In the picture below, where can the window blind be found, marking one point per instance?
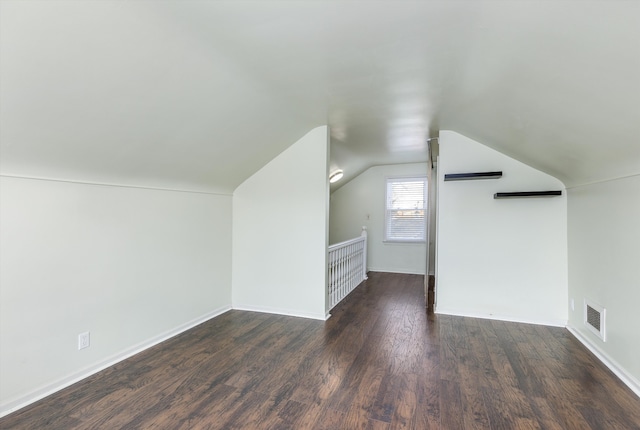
(405, 209)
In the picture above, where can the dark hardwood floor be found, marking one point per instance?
(380, 362)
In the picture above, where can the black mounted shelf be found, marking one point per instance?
(515, 195)
(472, 176)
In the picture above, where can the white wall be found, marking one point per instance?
(604, 266)
(132, 266)
(503, 259)
(280, 232)
(361, 202)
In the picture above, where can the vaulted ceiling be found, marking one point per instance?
(199, 95)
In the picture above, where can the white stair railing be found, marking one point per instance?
(347, 267)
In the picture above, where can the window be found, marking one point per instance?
(405, 210)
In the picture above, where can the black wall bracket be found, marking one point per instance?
(515, 195)
(472, 176)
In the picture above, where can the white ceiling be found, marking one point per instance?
(198, 95)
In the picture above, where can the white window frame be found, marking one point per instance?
(388, 211)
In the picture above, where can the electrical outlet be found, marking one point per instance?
(84, 340)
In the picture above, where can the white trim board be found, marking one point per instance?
(400, 271)
(285, 312)
(116, 185)
(552, 323)
(611, 364)
(48, 389)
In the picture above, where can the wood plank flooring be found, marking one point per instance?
(380, 362)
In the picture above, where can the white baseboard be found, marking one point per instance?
(401, 271)
(552, 323)
(13, 405)
(618, 370)
(278, 311)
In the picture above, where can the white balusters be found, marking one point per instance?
(347, 267)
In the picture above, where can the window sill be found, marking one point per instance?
(405, 242)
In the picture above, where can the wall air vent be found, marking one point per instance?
(594, 318)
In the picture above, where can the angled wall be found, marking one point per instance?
(604, 267)
(503, 259)
(131, 266)
(280, 237)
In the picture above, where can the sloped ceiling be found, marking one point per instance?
(198, 95)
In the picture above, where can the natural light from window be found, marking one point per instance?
(405, 209)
